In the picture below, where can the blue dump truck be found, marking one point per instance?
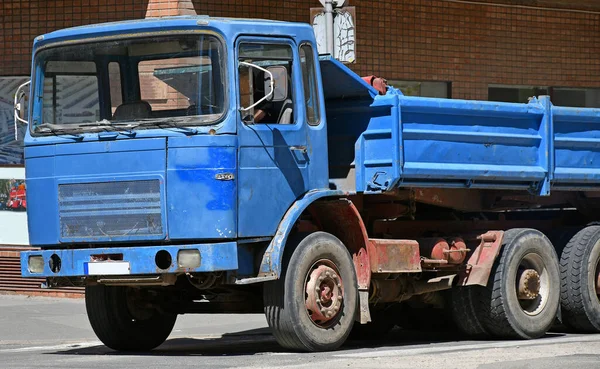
(211, 165)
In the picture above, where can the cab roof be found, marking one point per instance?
(228, 27)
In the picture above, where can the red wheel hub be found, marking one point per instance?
(324, 293)
(598, 280)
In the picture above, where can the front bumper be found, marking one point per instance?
(137, 260)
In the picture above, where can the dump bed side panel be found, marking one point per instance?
(577, 148)
(457, 143)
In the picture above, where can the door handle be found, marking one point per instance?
(302, 148)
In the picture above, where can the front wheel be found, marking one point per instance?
(122, 321)
(313, 305)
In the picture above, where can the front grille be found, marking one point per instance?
(111, 210)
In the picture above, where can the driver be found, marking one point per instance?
(263, 112)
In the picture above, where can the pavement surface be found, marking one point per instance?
(38, 332)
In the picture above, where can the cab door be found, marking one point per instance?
(274, 150)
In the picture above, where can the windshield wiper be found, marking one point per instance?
(107, 126)
(164, 123)
(73, 129)
(57, 129)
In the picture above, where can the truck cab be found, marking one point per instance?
(162, 156)
(153, 137)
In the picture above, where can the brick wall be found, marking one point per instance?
(22, 20)
(467, 43)
(471, 44)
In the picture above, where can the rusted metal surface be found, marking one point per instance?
(324, 293)
(434, 248)
(342, 219)
(471, 200)
(457, 252)
(394, 256)
(479, 265)
(440, 252)
(414, 229)
(528, 284)
(388, 290)
(401, 289)
(12, 282)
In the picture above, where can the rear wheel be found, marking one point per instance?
(313, 305)
(522, 297)
(122, 320)
(469, 309)
(580, 281)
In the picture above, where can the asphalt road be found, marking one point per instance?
(54, 333)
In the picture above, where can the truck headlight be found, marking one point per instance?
(188, 259)
(35, 264)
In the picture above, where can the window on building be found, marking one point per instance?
(576, 97)
(425, 89)
(516, 94)
(309, 78)
(560, 96)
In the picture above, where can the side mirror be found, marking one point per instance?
(268, 91)
(19, 107)
(280, 83)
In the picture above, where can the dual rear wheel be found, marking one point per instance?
(522, 297)
(529, 283)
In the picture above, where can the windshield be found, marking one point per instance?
(160, 81)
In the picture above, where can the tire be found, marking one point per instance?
(579, 268)
(308, 258)
(469, 311)
(506, 315)
(109, 311)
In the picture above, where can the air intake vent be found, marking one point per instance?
(110, 210)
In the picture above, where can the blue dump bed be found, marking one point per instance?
(402, 141)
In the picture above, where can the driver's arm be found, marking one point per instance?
(259, 115)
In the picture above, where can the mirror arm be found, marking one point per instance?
(272, 85)
(17, 108)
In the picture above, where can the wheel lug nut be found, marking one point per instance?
(317, 289)
(339, 298)
(339, 285)
(327, 274)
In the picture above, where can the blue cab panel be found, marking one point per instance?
(202, 187)
(96, 191)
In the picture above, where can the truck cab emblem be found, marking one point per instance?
(224, 177)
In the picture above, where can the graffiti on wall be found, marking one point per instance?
(11, 151)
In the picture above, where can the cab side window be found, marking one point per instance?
(262, 66)
(309, 81)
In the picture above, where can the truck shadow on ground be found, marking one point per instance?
(261, 341)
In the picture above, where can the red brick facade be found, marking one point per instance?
(469, 43)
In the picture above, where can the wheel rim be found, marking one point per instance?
(532, 284)
(324, 290)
